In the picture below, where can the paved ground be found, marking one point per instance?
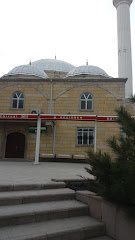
(26, 172)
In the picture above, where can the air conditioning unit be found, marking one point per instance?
(49, 123)
(35, 111)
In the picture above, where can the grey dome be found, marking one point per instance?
(87, 70)
(27, 70)
(53, 65)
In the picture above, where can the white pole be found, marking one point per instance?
(95, 135)
(38, 140)
(54, 134)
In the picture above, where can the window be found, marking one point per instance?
(86, 101)
(18, 100)
(85, 136)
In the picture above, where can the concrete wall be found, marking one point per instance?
(118, 225)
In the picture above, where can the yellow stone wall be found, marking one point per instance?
(55, 74)
(65, 100)
(104, 101)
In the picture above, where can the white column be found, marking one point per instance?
(38, 141)
(54, 134)
(95, 136)
(124, 43)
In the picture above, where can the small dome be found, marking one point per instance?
(27, 70)
(87, 70)
(53, 65)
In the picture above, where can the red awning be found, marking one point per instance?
(34, 117)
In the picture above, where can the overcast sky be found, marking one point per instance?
(74, 30)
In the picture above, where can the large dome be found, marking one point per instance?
(53, 65)
(27, 70)
(87, 70)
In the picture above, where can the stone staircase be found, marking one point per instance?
(45, 211)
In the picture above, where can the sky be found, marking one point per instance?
(75, 31)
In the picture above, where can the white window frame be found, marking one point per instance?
(82, 131)
(19, 96)
(86, 100)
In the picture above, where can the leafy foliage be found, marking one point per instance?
(132, 99)
(115, 180)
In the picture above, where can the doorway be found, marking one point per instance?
(15, 145)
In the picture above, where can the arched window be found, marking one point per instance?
(86, 101)
(17, 100)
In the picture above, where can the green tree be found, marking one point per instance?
(115, 179)
(132, 99)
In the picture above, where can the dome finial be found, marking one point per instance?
(55, 56)
(87, 62)
(30, 62)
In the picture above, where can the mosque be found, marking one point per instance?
(52, 109)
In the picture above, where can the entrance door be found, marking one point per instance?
(15, 145)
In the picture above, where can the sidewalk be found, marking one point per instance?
(26, 172)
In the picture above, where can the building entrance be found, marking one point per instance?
(15, 145)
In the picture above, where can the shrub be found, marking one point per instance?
(114, 180)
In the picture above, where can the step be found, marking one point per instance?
(28, 186)
(101, 238)
(37, 212)
(76, 228)
(22, 197)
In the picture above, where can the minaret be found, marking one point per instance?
(124, 43)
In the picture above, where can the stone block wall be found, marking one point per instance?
(107, 95)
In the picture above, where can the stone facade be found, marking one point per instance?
(108, 94)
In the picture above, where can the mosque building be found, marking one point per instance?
(52, 109)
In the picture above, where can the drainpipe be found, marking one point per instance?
(51, 98)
